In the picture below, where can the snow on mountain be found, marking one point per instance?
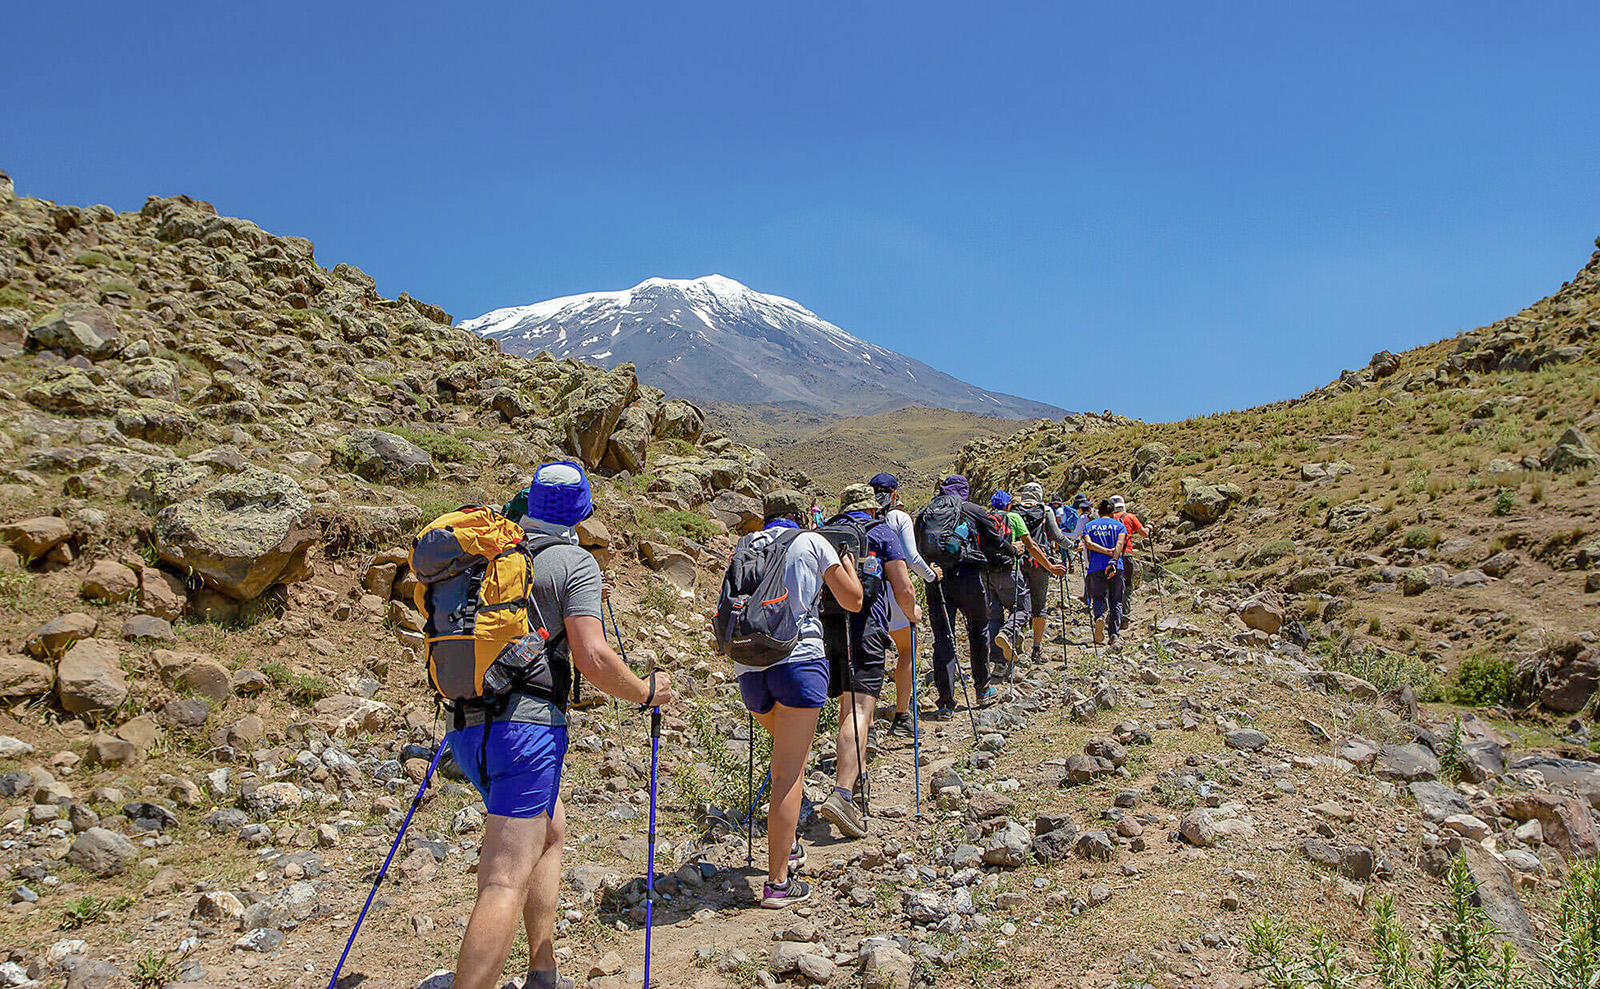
(713, 339)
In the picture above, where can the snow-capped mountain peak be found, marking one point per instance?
(713, 338)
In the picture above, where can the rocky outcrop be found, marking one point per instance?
(241, 535)
(380, 456)
(1206, 503)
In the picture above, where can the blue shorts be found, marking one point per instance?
(524, 765)
(802, 684)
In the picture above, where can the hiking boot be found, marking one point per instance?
(797, 857)
(903, 726)
(941, 713)
(872, 741)
(1008, 648)
(1037, 655)
(776, 896)
(988, 695)
(1002, 671)
(844, 815)
(1099, 631)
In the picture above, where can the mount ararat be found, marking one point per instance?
(713, 339)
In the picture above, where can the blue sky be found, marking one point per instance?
(1162, 209)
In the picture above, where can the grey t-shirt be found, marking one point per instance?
(566, 584)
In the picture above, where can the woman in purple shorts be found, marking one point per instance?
(787, 696)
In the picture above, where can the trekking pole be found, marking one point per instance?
(855, 726)
(916, 732)
(617, 629)
(961, 670)
(384, 870)
(749, 790)
(650, 860)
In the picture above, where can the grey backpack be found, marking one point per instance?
(755, 624)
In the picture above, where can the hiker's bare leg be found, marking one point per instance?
(855, 719)
(511, 847)
(902, 669)
(1038, 632)
(539, 910)
(792, 729)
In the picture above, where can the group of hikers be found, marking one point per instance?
(809, 609)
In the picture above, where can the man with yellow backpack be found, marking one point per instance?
(509, 610)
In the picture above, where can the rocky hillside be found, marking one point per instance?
(213, 452)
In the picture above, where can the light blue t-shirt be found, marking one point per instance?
(1107, 532)
(808, 557)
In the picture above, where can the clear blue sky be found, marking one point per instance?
(1237, 200)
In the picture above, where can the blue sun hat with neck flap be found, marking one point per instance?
(558, 498)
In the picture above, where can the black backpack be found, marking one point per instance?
(848, 535)
(945, 533)
(755, 625)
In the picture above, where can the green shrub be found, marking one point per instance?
(443, 446)
(1464, 952)
(1274, 550)
(720, 777)
(678, 522)
(301, 688)
(1504, 501)
(1386, 670)
(1421, 537)
(1481, 680)
(92, 259)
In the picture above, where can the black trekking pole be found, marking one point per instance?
(971, 714)
(855, 727)
(384, 870)
(622, 649)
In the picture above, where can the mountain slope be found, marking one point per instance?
(713, 339)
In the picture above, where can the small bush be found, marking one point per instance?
(678, 522)
(443, 446)
(1481, 680)
(1504, 501)
(1274, 550)
(301, 688)
(92, 259)
(1385, 670)
(154, 971)
(1421, 537)
(90, 909)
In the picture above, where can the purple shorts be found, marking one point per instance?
(802, 684)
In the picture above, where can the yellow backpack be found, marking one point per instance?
(482, 631)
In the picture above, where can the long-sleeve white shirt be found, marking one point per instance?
(903, 527)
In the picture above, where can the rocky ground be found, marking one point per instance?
(214, 451)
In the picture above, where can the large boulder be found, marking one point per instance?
(739, 512)
(35, 537)
(383, 457)
(1572, 451)
(1205, 503)
(593, 410)
(23, 677)
(89, 678)
(110, 582)
(1262, 612)
(626, 448)
(74, 391)
(156, 420)
(680, 420)
(90, 331)
(1564, 820)
(241, 535)
(1148, 458)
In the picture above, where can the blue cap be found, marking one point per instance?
(884, 482)
(559, 493)
(1000, 500)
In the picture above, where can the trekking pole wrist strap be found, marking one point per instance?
(649, 700)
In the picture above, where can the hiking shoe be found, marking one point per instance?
(1002, 671)
(941, 713)
(797, 857)
(844, 815)
(776, 896)
(903, 726)
(872, 741)
(1099, 631)
(988, 695)
(1008, 648)
(1037, 655)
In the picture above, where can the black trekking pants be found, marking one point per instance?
(1130, 574)
(960, 592)
(1106, 593)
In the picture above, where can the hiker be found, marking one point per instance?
(1082, 514)
(787, 696)
(1046, 531)
(1130, 570)
(959, 537)
(815, 513)
(1065, 517)
(857, 647)
(886, 488)
(512, 749)
(1105, 540)
(1009, 596)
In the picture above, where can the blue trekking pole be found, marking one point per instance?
(916, 732)
(384, 871)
